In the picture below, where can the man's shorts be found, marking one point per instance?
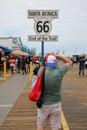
(51, 113)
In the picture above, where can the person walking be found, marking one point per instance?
(81, 65)
(12, 62)
(18, 65)
(51, 107)
(28, 60)
(23, 65)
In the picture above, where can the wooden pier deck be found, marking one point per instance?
(23, 114)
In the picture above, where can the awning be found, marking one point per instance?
(6, 49)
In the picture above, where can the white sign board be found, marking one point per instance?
(48, 38)
(43, 14)
(43, 24)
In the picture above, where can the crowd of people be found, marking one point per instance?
(18, 64)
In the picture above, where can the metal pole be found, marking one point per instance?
(31, 73)
(42, 47)
(4, 70)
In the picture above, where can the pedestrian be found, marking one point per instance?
(35, 71)
(18, 65)
(51, 107)
(23, 65)
(12, 62)
(28, 60)
(81, 65)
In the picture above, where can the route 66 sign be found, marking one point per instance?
(42, 26)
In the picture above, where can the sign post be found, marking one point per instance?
(42, 47)
(43, 27)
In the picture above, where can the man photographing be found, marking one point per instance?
(51, 108)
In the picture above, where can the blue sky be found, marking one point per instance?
(71, 26)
